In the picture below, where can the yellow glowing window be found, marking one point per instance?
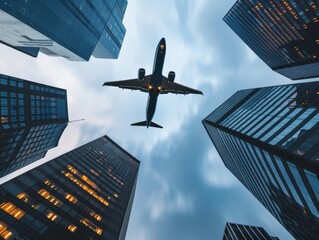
(92, 226)
(3, 119)
(6, 235)
(85, 187)
(3, 227)
(17, 213)
(98, 217)
(47, 182)
(12, 210)
(72, 228)
(50, 197)
(71, 198)
(23, 196)
(116, 195)
(8, 207)
(52, 216)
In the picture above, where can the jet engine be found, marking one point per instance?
(171, 76)
(141, 74)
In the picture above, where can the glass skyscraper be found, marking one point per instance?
(235, 231)
(74, 29)
(283, 33)
(268, 138)
(32, 119)
(84, 194)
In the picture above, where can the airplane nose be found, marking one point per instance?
(163, 41)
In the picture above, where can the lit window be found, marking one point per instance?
(10, 208)
(71, 198)
(23, 196)
(6, 235)
(72, 228)
(47, 182)
(3, 227)
(98, 217)
(92, 226)
(52, 216)
(17, 213)
(83, 186)
(50, 197)
(7, 207)
(116, 195)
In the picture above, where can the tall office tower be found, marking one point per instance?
(32, 119)
(235, 231)
(84, 194)
(74, 29)
(283, 33)
(268, 138)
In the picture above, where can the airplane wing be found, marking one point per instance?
(133, 84)
(176, 88)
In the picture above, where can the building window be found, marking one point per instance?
(6, 234)
(52, 216)
(71, 198)
(11, 209)
(17, 213)
(72, 228)
(3, 227)
(23, 196)
(50, 198)
(92, 226)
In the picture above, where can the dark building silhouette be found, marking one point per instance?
(283, 33)
(71, 29)
(268, 138)
(84, 194)
(32, 119)
(235, 231)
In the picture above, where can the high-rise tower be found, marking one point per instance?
(32, 119)
(84, 194)
(235, 231)
(268, 138)
(283, 33)
(71, 29)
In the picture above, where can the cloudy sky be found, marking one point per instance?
(184, 191)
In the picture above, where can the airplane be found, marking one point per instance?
(154, 85)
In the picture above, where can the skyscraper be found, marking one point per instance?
(72, 29)
(32, 119)
(235, 231)
(84, 194)
(268, 138)
(283, 33)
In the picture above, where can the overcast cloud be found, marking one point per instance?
(184, 191)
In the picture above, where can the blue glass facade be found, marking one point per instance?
(73, 29)
(84, 194)
(32, 119)
(235, 231)
(268, 138)
(283, 33)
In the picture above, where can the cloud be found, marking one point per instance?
(215, 172)
(183, 191)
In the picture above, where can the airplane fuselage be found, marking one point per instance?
(156, 81)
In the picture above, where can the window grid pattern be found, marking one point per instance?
(85, 29)
(281, 116)
(101, 171)
(260, 142)
(26, 136)
(284, 33)
(235, 231)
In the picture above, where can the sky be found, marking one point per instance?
(184, 191)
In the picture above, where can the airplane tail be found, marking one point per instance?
(143, 123)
